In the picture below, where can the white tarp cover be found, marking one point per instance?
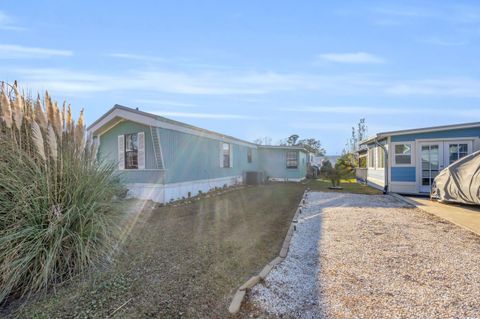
(459, 182)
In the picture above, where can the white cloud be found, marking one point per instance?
(241, 83)
(454, 13)
(165, 102)
(461, 112)
(12, 51)
(352, 58)
(139, 57)
(362, 110)
(444, 42)
(458, 87)
(8, 23)
(204, 115)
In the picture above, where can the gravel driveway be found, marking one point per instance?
(363, 256)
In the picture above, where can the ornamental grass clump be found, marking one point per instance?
(58, 203)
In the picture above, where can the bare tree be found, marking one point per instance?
(359, 133)
(266, 140)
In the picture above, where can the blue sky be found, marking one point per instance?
(253, 68)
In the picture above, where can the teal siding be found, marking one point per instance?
(108, 150)
(459, 133)
(403, 174)
(142, 176)
(274, 163)
(189, 157)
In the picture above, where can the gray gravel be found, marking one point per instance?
(363, 256)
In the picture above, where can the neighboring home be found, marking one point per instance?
(283, 163)
(407, 161)
(162, 160)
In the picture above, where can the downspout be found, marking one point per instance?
(385, 188)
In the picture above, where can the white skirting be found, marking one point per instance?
(403, 188)
(154, 192)
(164, 193)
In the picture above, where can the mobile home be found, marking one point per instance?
(407, 161)
(162, 159)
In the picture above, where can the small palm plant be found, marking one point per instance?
(57, 201)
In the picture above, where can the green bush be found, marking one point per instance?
(58, 212)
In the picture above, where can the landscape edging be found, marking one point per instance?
(240, 294)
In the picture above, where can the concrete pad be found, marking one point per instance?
(236, 302)
(464, 216)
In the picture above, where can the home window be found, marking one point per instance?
(362, 162)
(292, 159)
(226, 155)
(456, 151)
(380, 158)
(249, 155)
(403, 154)
(131, 151)
(371, 158)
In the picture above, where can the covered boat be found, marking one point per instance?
(459, 182)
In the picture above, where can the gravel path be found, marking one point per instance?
(360, 256)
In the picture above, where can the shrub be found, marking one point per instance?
(57, 202)
(347, 165)
(331, 173)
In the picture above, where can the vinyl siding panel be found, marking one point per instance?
(403, 174)
(189, 157)
(108, 151)
(274, 163)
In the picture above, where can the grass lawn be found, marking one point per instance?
(348, 185)
(184, 261)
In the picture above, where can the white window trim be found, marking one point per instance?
(230, 155)
(141, 153)
(374, 158)
(378, 149)
(286, 159)
(412, 154)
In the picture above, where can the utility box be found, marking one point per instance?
(254, 178)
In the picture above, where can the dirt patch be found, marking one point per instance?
(184, 261)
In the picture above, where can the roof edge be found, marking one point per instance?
(166, 120)
(430, 129)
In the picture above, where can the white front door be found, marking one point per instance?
(431, 163)
(434, 156)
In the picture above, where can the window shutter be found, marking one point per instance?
(121, 152)
(220, 153)
(231, 155)
(141, 150)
